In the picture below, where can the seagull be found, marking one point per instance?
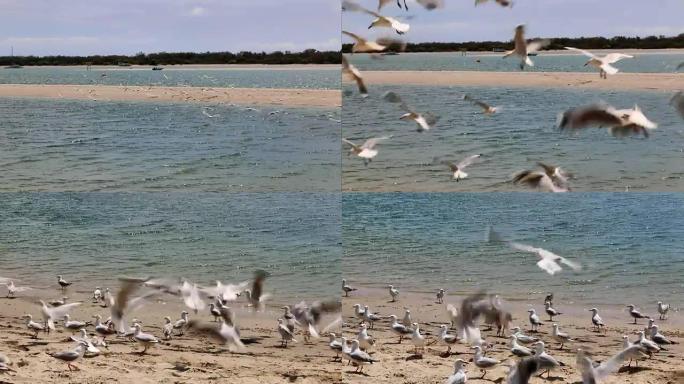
(658, 338)
(145, 339)
(13, 289)
(399, 329)
(380, 21)
(370, 317)
(33, 326)
(523, 48)
(62, 283)
(71, 355)
(483, 362)
(551, 179)
(549, 261)
(596, 320)
(560, 336)
(205, 112)
(256, 295)
(486, 108)
(5, 363)
(534, 319)
(226, 333)
(650, 346)
(521, 337)
(288, 318)
(417, 339)
(308, 316)
(503, 3)
(181, 323)
(74, 325)
(593, 374)
(663, 309)
(97, 295)
(440, 296)
(215, 311)
(621, 122)
(365, 340)
(546, 361)
(517, 349)
(637, 351)
(124, 303)
(335, 345)
(424, 121)
(367, 150)
(522, 372)
(457, 168)
(407, 318)
(636, 314)
(677, 101)
(191, 297)
(355, 74)
(363, 45)
(58, 302)
(445, 338)
(91, 350)
(453, 313)
(359, 357)
(52, 314)
(168, 328)
(102, 329)
(359, 311)
(602, 63)
(550, 311)
(393, 292)
(548, 298)
(285, 334)
(347, 288)
(459, 376)
(382, 3)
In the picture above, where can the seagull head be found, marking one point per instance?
(594, 310)
(631, 306)
(531, 311)
(458, 364)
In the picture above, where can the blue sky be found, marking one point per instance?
(82, 27)
(461, 21)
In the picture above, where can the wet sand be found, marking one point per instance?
(398, 363)
(666, 82)
(262, 361)
(242, 96)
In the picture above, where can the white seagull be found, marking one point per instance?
(459, 376)
(380, 21)
(523, 48)
(620, 122)
(486, 108)
(394, 293)
(549, 261)
(355, 74)
(483, 362)
(561, 337)
(457, 168)
(596, 320)
(367, 150)
(602, 63)
(363, 45)
(663, 309)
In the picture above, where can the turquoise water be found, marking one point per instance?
(448, 61)
(62, 145)
(92, 238)
(232, 78)
(523, 133)
(630, 245)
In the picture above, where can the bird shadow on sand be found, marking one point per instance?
(414, 357)
(358, 373)
(632, 370)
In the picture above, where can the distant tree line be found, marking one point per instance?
(309, 56)
(618, 42)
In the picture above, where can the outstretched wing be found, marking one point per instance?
(467, 161)
(615, 57)
(582, 51)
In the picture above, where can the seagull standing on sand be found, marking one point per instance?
(459, 376)
(440, 296)
(452, 312)
(370, 317)
(393, 292)
(367, 150)
(13, 289)
(399, 329)
(658, 338)
(483, 362)
(168, 328)
(636, 351)
(457, 168)
(517, 349)
(62, 283)
(346, 288)
(534, 319)
(71, 356)
(285, 334)
(181, 323)
(561, 337)
(101, 329)
(602, 63)
(407, 318)
(596, 320)
(486, 108)
(359, 311)
(650, 346)
(550, 311)
(145, 339)
(335, 345)
(359, 357)
(546, 361)
(74, 325)
(364, 339)
(33, 326)
(521, 337)
(662, 310)
(417, 339)
(523, 48)
(621, 122)
(446, 338)
(636, 314)
(52, 314)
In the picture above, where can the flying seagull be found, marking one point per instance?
(549, 261)
(602, 63)
(351, 71)
(380, 21)
(621, 122)
(550, 179)
(457, 168)
(486, 108)
(503, 3)
(367, 150)
(363, 45)
(382, 3)
(524, 48)
(424, 121)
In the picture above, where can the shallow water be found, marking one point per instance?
(64, 145)
(232, 78)
(523, 133)
(450, 61)
(629, 244)
(92, 238)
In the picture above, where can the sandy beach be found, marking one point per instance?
(398, 363)
(666, 82)
(243, 96)
(262, 360)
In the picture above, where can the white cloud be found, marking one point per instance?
(198, 11)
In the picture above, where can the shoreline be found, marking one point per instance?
(243, 96)
(192, 67)
(664, 82)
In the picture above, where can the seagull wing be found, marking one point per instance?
(519, 39)
(371, 143)
(467, 161)
(477, 102)
(613, 364)
(549, 265)
(356, 37)
(537, 44)
(582, 51)
(595, 114)
(573, 265)
(352, 144)
(615, 57)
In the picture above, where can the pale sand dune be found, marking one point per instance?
(261, 362)
(242, 96)
(399, 365)
(621, 81)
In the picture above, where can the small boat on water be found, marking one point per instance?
(157, 68)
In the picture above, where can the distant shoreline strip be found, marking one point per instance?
(621, 81)
(323, 98)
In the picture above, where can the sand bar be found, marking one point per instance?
(622, 81)
(399, 364)
(243, 96)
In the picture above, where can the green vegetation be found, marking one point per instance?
(618, 42)
(309, 56)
